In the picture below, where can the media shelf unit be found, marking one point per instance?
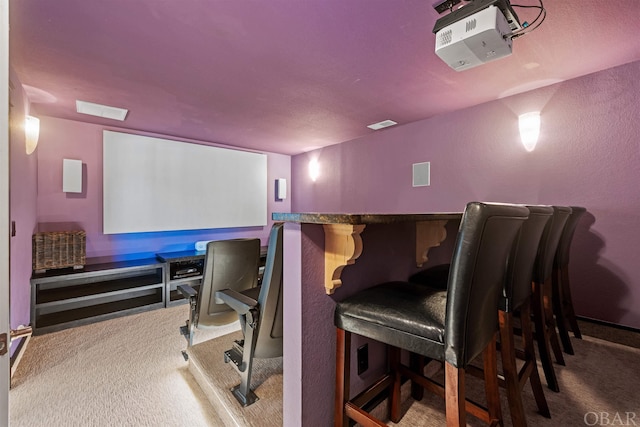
(182, 268)
(66, 298)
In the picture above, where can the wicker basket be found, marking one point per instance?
(59, 249)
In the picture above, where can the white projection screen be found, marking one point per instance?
(152, 184)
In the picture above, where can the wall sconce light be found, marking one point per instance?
(31, 133)
(314, 169)
(529, 125)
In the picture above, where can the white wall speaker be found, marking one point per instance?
(422, 174)
(281, 188)
(71, 176)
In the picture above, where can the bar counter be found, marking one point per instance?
(320, 268)
(343, 242)
(350, 218)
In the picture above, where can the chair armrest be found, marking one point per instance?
(237, 301)
(187, 291)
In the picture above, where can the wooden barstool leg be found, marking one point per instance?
(416, 363)
(547, 298)
(530, 357)
(394, 399)
(454, 395)
(559, 311)
(542, 337)
(343, 363)
(510, 369)
(568, 302)
(551, 322)
(491, 386)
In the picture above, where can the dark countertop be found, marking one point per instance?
(337, 218)
(181, 256)
(191, 255)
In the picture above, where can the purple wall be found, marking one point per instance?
(22, 207)
(587, 154)
(61, 139)
(37, 200)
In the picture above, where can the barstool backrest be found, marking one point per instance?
(549, 243)
(518, 284)
(564, 246)
(478, 268)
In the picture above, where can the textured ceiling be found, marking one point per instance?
(288, 76)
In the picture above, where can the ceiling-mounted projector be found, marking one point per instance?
(476, 33)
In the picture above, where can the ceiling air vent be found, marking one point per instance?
(100, 110)
(381, 125)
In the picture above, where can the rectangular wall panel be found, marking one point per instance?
(71, 176)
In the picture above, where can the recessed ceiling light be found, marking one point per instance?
(101, 110)
(382, 124)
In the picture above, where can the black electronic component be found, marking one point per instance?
(443, 6)
(476, 6)
(187, 268)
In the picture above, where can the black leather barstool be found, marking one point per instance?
(453, 325)
(562, 301)
(542, 305)
(516, 299)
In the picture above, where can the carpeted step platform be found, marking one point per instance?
(216, 378)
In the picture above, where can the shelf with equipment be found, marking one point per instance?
(187, 267)
(183, 267)
(65, 298)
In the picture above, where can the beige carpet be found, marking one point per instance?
(122, 372)
(129, 372)
(602, 377)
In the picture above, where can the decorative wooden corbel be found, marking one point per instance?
(429, 234)
(342, 246)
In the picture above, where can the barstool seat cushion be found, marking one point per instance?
(402, 314)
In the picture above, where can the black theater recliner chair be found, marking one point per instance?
(229, 264)
(260, 313)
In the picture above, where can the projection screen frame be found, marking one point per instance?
(153, 184)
